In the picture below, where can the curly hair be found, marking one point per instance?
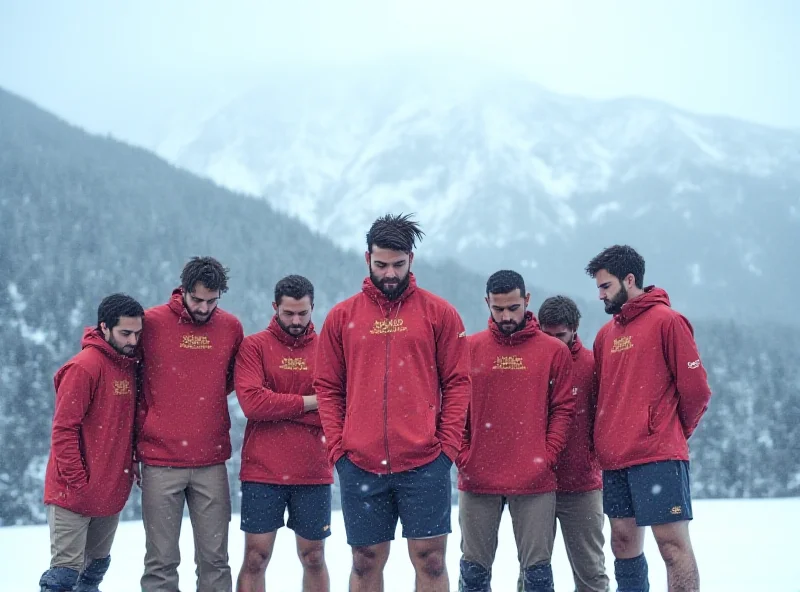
(207, 271)
(619, 261)
(115, 306)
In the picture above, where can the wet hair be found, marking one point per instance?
(206, 270)
(115, 306)
(559, 310)
(619, 261)
(396, 233)
(294, 286)
(505, 281)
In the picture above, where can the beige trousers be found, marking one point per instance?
(77, 540)
(532, 519)
(205, 491)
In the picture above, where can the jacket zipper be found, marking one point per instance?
(386, 398)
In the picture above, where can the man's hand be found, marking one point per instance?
(137, 474)
(310, 403)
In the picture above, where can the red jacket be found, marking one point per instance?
(282, 444)
(577, 469)
(392, 379)
(521, 410)
(183, 418)
(653, 386)
(91, 456)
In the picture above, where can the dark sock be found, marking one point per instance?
(631, 574)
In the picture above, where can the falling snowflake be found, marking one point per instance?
(656, 489)
(488, 425)
(184, 443)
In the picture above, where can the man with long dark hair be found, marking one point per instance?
(393, 386)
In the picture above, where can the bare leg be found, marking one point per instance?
(368, 564)
(257, 553)
(315, 571)
(676, 551)
(427, 556)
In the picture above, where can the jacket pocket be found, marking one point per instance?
(651, 427)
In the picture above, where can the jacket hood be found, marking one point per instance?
(634, 307)
(290, 340)
(530, 329)
(374, 293)
(93, 337)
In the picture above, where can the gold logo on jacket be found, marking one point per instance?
(508, 363)
(621, 344)
(122, 388)
(195, 342)
(383, 326)
(296, 364)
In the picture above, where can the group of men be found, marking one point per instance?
(391, 392)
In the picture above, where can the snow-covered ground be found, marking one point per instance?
(741, 545)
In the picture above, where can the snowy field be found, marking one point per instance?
(741, 545)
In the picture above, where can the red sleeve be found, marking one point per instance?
(683, 359)
(592, 409)
(74, 393)
(310, 418)
(231, 382)
(257, 401)
(452, 362)
(330, 383)
(561, 409)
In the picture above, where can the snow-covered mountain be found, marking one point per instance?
(506, 174)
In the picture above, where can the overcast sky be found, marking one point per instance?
(104, 64)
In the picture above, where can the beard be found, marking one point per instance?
(126, 350)
(293, 330)
(391, 288)
(614, 306)
(510, 327)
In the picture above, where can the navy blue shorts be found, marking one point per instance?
(653, 493)
(264, 505)
(371, 504)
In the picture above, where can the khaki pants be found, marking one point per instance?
(581, 518)
(77, 540)
(532, 517)
(165, 490)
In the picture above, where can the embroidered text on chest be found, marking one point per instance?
(621, 344)
(296, 364)
(508, 363)
(383, 326)
(122, 388)
(195, 342)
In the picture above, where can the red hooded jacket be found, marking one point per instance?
(283, 445)
(183, 418)
(392, 379)
(653, 386)
(520, 412)
(577, 469)
(91, 456)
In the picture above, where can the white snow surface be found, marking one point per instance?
(741, 545)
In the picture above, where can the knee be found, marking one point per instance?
(365, 561)
(313, 558)
(430, 562)
(256, 559)
(623, 542)
(671, 549)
